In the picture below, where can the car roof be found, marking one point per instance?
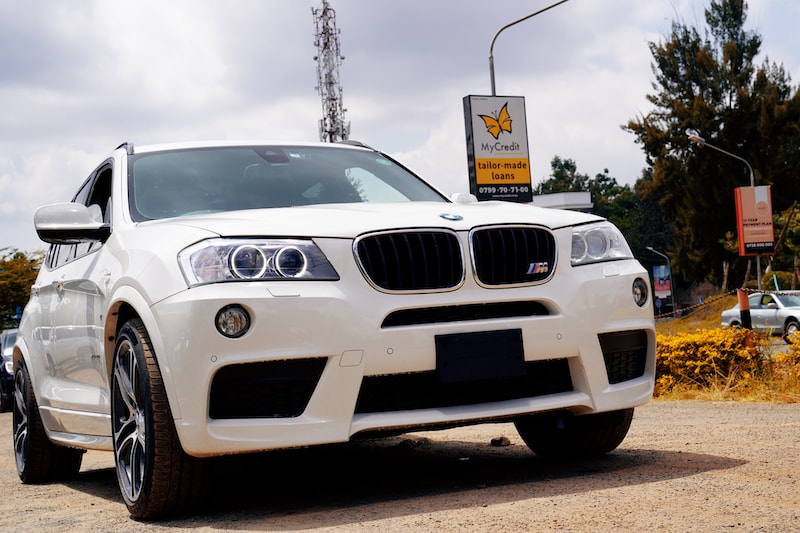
(148, 148)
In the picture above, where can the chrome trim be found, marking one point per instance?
(366, 276)
(552, 268)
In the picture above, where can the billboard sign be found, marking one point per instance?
(661, 282)
(754, 220)
(497, 148)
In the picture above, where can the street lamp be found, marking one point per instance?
(669, 267)
(491, 47)
(695, 138)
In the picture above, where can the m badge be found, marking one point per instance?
(538, 268)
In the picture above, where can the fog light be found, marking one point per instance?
(640, 292)
(233, 321)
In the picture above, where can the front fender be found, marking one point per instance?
(139, 306)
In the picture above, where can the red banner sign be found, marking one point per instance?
(754, 220)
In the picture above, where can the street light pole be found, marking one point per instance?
(669, 267)
(491, 47)
(695, 138)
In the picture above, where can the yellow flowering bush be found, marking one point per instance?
(708, 358)
(696, 359)
(787, 364)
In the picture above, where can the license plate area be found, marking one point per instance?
(480, 356)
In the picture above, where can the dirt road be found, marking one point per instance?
(685, 466)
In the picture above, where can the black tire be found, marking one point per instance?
(790, 329)
(562, 435)
(38, 459)
(6, 403)
(156, 477)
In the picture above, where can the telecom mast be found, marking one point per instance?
(332, 126)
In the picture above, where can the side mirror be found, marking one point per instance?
(70, 223)
(463, 198)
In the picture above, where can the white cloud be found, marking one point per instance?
(96, 73)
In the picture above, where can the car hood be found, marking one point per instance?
(351, 220)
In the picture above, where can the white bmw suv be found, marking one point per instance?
(222, 298)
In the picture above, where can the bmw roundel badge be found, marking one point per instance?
(451, 216)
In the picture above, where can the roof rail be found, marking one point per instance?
(128, 147)
(352, 142)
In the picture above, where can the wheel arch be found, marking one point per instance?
(129, 304)
(22, 353)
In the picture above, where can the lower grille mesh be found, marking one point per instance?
(422, 390)
(269, 389)
(625, 354)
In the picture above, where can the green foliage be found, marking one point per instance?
(710, 82)
(784, 280)
(787, 234)
(564, 178)
(611, 200)
(18, 272)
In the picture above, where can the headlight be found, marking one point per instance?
(218, 260)
(598, 242)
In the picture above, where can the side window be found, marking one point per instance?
(101, 193)
(83, 193)
(59, 254)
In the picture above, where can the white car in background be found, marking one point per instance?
(222, 298)
(776, 313)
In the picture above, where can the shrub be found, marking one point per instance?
(787, 364)
(717, 359)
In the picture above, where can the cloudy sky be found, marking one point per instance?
(79, 77)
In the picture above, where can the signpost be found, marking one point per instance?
(497, 139)
(754, 220)
(497, 148)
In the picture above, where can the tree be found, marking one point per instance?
(564, 177)
(611, 200)
(18, 273)
(710, 83)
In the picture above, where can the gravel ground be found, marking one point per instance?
(685, 466)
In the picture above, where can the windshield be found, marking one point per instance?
(789, 300)
(180, 182)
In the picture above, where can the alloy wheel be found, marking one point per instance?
(129, 423)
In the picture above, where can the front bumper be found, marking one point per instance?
(325, 348)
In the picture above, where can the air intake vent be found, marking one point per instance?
(411, 261)
(513, 255)
(625, 354)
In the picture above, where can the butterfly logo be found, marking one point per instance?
(498, 124)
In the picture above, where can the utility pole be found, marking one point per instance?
(332, 126)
